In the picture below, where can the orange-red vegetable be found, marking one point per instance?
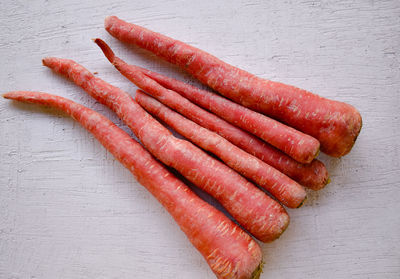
(279, 185)
(335, 124)
(228, 250)
(262, 216)
(313, 175)
(303, 148)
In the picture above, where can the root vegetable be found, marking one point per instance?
(335, 124)
(262, 216)
(287, 191)
(313, 175)
(228, 250)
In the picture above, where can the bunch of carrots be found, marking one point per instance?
(264, 132)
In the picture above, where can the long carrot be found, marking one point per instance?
(228, 250)
(314, 175)
(335, 124)
(262, 216)
(282, 187)
(279, 185)
(297, 145)
(301, 147)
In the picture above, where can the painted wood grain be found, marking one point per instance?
(69, 210)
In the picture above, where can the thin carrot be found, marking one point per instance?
(314, 175)
(287, 191)
(301, 147)
(228, 250)
(262, 216)
(335, 124)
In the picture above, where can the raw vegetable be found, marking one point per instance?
(279, 185)
(228, 250)
(303, 148)
(262, 216)
(335, 124)
(313, 175)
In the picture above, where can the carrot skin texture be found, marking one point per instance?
(279, 185)
(314, 175)
(335, 124)
(301, 147)
(282, 187)
(230, 252)
(262, 216)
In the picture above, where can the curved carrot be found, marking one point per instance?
(262, 216)
(335, 124)
(229, 251)
(314, 175)
(279, 185)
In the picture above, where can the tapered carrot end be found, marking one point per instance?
(106, 49)
(15, 95)
(8, 95)
(44, 61)
(49, 61)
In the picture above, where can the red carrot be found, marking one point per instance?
(262, 216)
(297, 145)
(314, 175)
(301, 147)
(335, 124)
(229, 251)
(279, 185)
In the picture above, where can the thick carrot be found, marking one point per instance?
(282, 187)
(287, 191)
(303, 148)
(262, 216)
(335, 124)
(229, 251)
(313, 175)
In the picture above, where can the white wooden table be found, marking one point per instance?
(69, 210)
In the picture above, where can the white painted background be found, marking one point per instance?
(69, 210)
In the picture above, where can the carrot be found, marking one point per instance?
(262, 216)
(229, 251)
(299, 146)
(335, 124)
(279, 185)
(313, 175)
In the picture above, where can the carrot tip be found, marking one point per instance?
(109, 54)
(45, 61)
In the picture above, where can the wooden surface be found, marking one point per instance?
(69, 210)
